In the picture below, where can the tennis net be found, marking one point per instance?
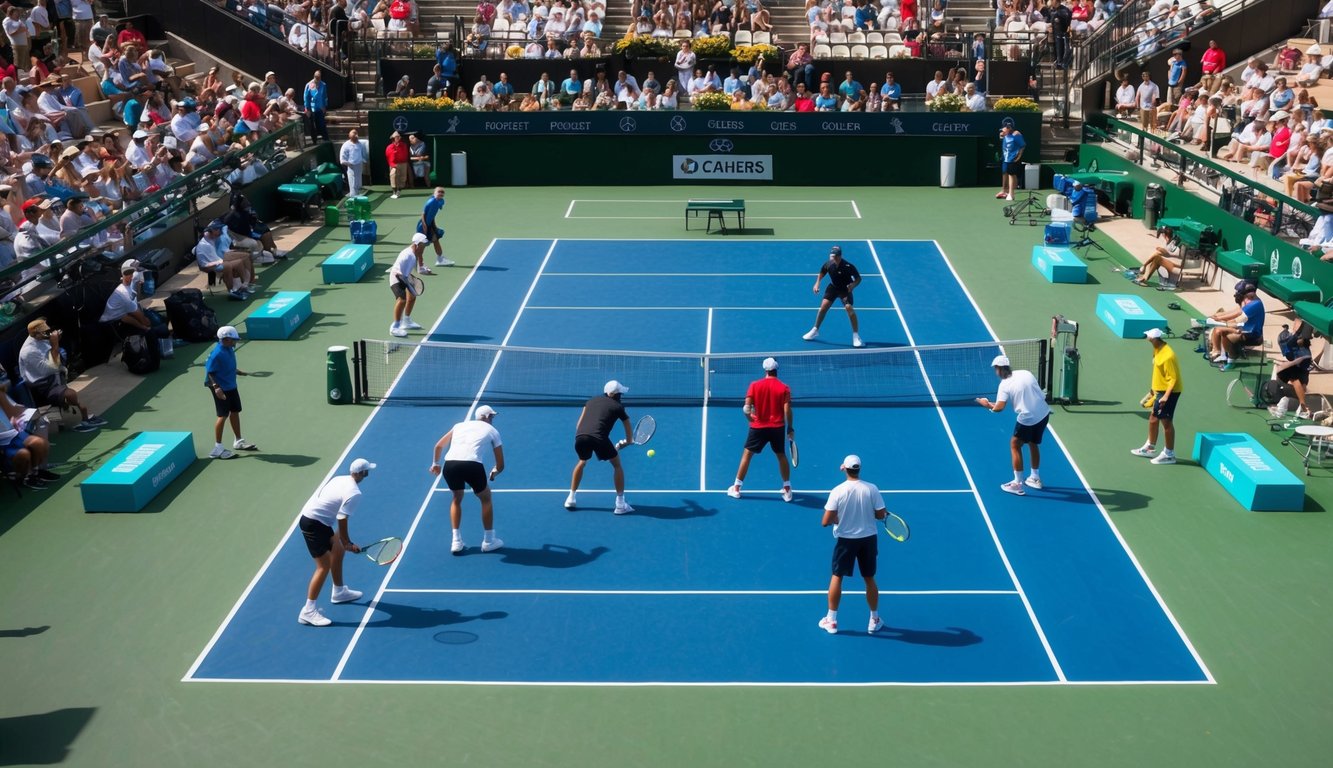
(442, 373)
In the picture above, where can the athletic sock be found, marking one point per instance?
(217, 446)
(458, 535)
(488, 535)
(310, 605)
(1036, 473)
(832, 615)
(738, 483)
(1018, 475)
(874, 615)
(1149, 446)
(785, 484)
(1168, 452)
(620, 499)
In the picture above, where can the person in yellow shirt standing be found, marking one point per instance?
(1163, 396)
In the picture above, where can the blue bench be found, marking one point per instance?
(279, 316)
(1249, 472)
(1058, 264)
(348, 264)
(139, 472)
(1127, 315)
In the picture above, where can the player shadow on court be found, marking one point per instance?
(688, 509)
(415, 617)
(1112, 499)
(463, 338)
(290, 459)
(550, 556)
(25, 632)
(949, 637)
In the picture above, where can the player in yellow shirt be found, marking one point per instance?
(1165, 393)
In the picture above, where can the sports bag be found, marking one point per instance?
(191, 319)
(141, 354)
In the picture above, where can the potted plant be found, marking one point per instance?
(1016, 104)
(948, 102)
(711, 101)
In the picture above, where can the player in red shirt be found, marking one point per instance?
(397, 154)
(768, 407)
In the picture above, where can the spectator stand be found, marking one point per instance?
(79, 273)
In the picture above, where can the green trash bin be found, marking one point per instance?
(332, 216)
(340, 377)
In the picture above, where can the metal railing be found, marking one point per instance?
(161, 209)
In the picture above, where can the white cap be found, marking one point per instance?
(483, 411)
(770, 364)
(851, 461)
(1000, 361)
(129, 265)
(141, 134)
(1153, 333)
(228, 332)
(420, 239)
(614, 387)
(1281, 114)
(361, 466)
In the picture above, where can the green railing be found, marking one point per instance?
(1290, 214)
(164, 207)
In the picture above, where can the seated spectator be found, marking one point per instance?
(248, 232)
(801, 66)
(1245, 138)
(418, 151)
(762, 21)
(825, 101)
(42, 366)
(545, 91)
(1295, 371)
(1299, 181)
(976, 102)
(27, 453)
(404, 88)
(1164, 262)
(1224, 340)
(126, 317)
(803, 100)
(670, 98)
(1288, 58)
(892, 94)
(1126, 105)
(233, 266)
(1310, 72)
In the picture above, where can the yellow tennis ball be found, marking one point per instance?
(651, 453)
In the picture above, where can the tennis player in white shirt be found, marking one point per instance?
(852, 509)
(1021, 388)
(328, 509)
(463, 466)
(400, 282)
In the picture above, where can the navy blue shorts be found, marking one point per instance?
(460, 473)
(862, 552)
(832, 292)
(1011, 168)
(1031, 433)
(15, 445)
(762, 436)
(318, 536)
(1166, 410)
(432, 231)
(586, 445)
(231, 404)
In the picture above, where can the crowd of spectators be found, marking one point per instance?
(321, 28)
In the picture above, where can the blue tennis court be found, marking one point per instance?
(694, 587)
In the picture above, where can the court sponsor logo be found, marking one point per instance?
(678, 124)
(138, 457)
(164, 474)
(950, 127)
(725, 125)
(1129, 306)
(506, 126)
(1296, 267)
(697, 167)
(839, 126)
(400, 123)
(628, 125)
(570, 126)
(1249, 245)
(783, 126)
(453, 124)
(898, 125)
(1273, 261)
(1252, 461)
(721, 145)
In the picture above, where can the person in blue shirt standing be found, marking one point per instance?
(448, 61)
(220, 374)
(1011, 153)
(1175, 75)
(428, 227)
(891, 94)
(316, 101)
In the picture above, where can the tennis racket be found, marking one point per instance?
(384, 551)
(895, 527)
(417, 285)
(1148, 400)
(643, 432)
(793, 454)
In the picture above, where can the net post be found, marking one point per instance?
(1046, 369)
(358, 370)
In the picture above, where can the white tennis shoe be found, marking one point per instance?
(492, 545)
(829, 625)
(242, 444)
(734, 492)
(1146, 451)
(1164, 458)
(345, 594)
(623, 508)
(786, 493)
(876, 624)
(457, 547)
(571, 503)
(811, 334)
(312, 617)
(1014, 487)
(412, 325)
(1033, 482)
(856, 341)
(440, 261)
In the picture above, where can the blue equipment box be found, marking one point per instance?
(1059, 264)
(1058, 233)
(1128, 316)
(348, 264)
(279, 316)
(364, 232)
(1249, 472)
(139, 472)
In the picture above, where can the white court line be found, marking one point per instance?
(570, 209)
(1180, 631)
(700, 309)
(855, 209)
(703, 432)
(637, 491)
(370, 609)
(697, 592)
(747, 218)
(189, 675)
(953, 441)
(702, 684)
(688, 199)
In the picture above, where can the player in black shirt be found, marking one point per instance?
(593, 436)
(843, 278)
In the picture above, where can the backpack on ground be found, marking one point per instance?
(140, 354)
(191, 319)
